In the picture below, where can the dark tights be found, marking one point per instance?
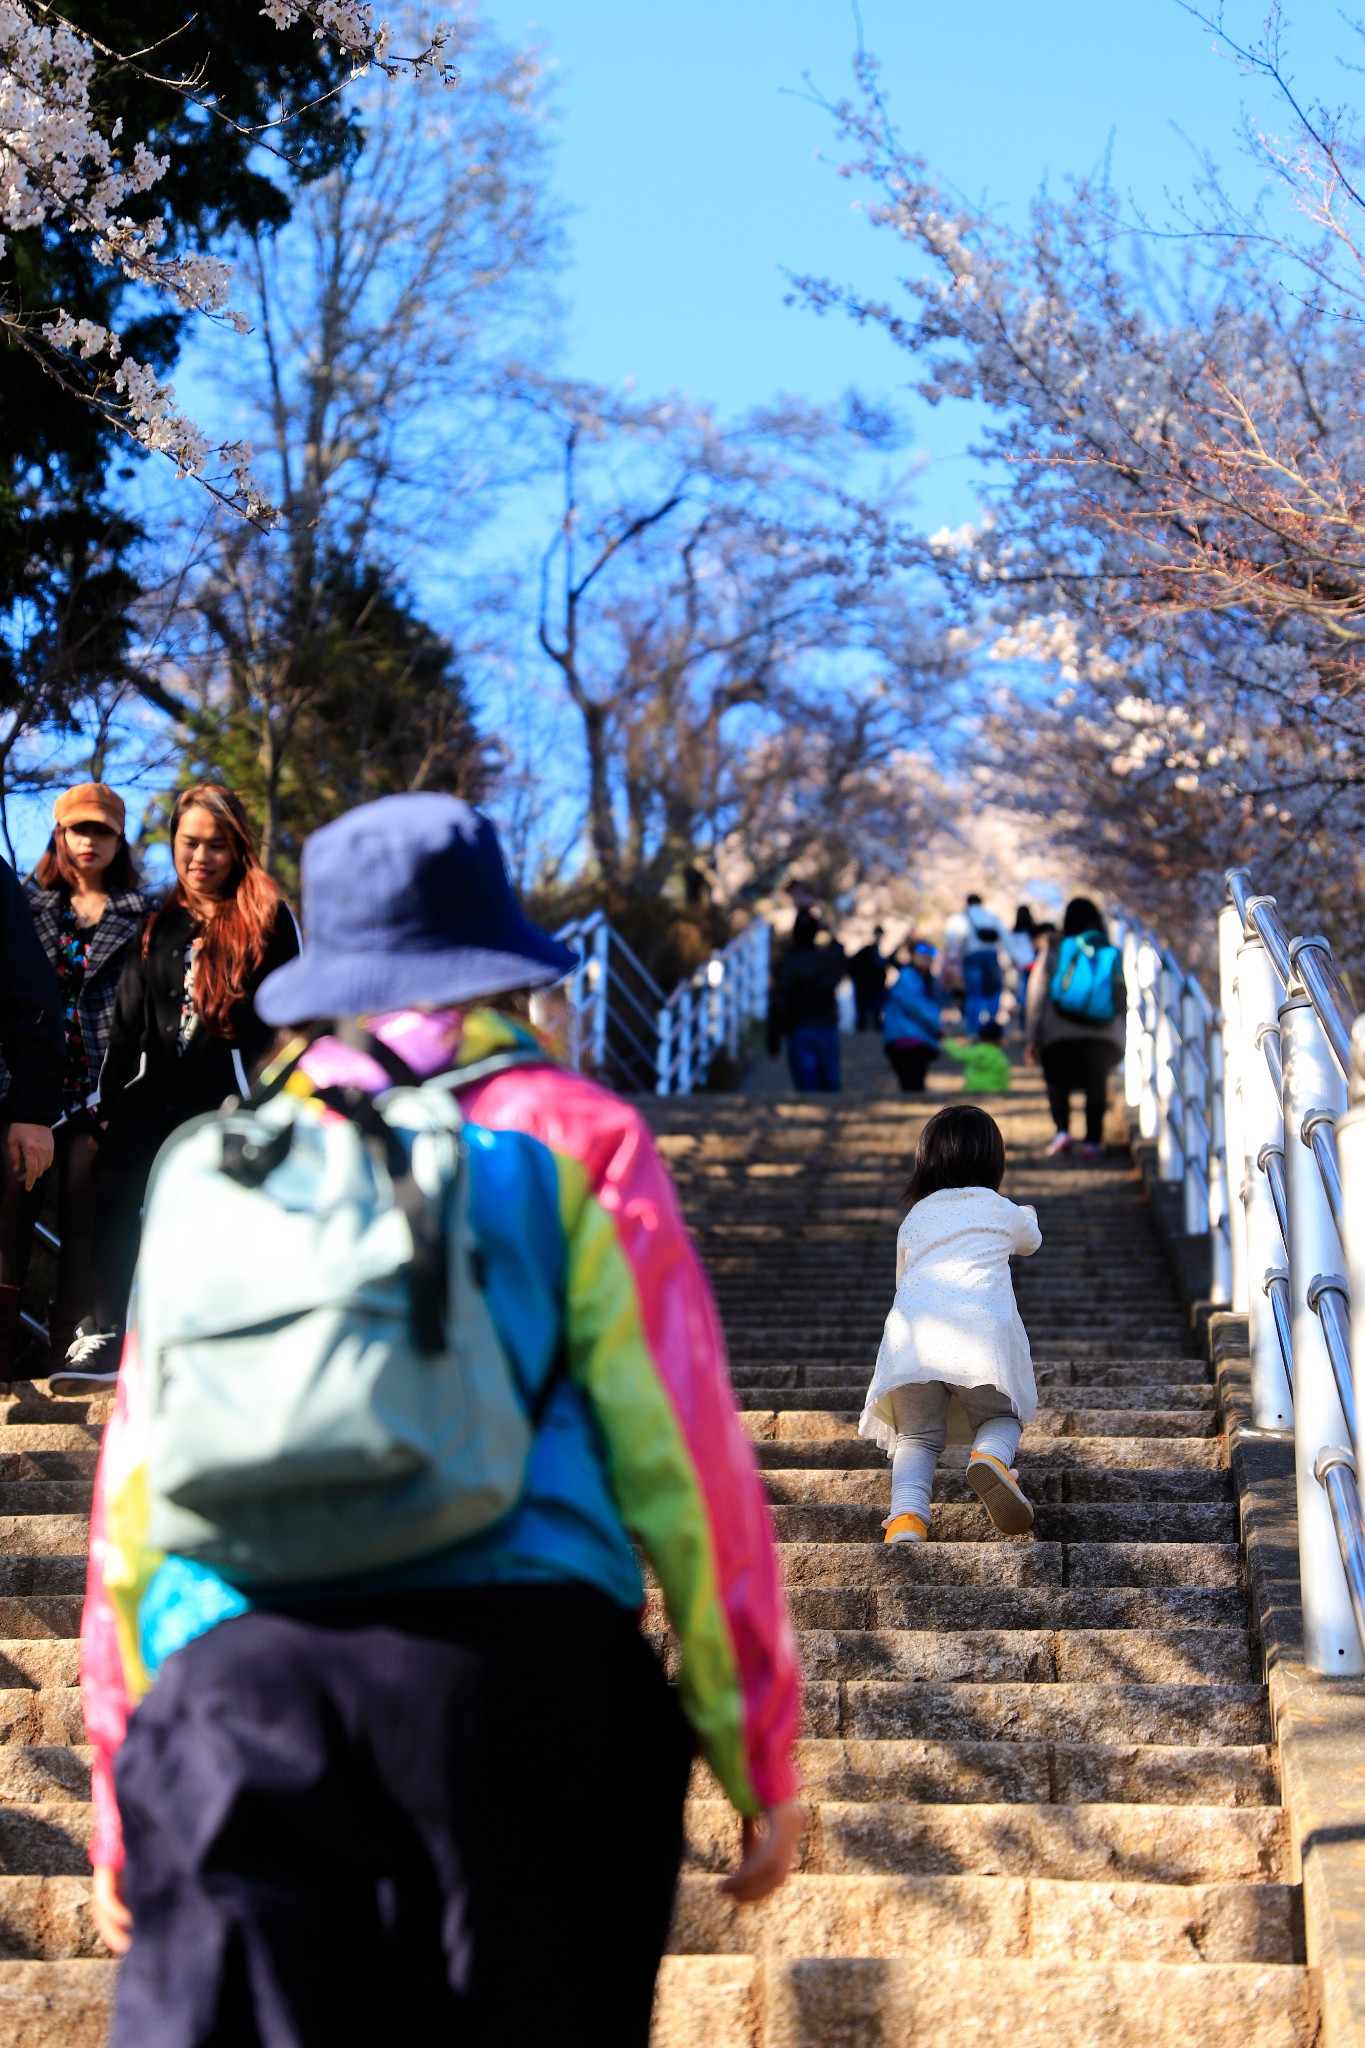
(911, 1062)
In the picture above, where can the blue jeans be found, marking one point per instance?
(813, 1058)
(982, 984)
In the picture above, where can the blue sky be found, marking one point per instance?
(690, 157)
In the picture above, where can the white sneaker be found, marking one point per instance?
(91, 1364)
(1060, 1143)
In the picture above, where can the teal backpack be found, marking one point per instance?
(327, 1393)
(1082, 985)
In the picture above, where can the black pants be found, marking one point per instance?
(911, 1064)
(118, 1196)
(1080, 1066)
(868, 1006)
(462, 1826)
(20, 1207)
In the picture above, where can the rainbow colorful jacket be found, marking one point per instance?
(581, 1233)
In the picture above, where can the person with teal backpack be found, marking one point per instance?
(417, 1345)
(1075, 1022)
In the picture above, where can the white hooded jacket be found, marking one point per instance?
(954, 1317)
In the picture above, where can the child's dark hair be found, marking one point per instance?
(960, 1147)
(991, 1031)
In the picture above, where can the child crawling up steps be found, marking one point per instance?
(954, 1350)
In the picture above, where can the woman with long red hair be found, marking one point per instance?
(185, 1036)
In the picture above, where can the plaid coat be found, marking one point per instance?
(122, 921)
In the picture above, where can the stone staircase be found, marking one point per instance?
(1043, 1808)
(1043, 1805)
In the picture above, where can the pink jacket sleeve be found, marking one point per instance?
(651, 1355)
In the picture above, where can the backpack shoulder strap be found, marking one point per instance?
(460, 1078)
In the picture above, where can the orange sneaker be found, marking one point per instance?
(1000, 1494)
(905, 1529)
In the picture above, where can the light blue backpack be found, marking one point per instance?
(1082, 985)
(327, 1392)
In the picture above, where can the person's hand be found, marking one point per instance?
(28, 1152)
(769, 1850)
(1030, 1056)
(113, 1921)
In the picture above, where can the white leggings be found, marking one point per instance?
(921, 1414)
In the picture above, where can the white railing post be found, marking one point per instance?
(1262, 1123)
(664, 1058)
(685, 1042)
(1194, 1096)
(1351, 1152)
(1229, 940)
(1221, 1218)
(601, 954)
(1169, 1151)
(1135, 1037)
(1148, 975)
(1312, 1081)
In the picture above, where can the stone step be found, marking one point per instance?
(1033, 1772)
(758, 1389)
(1070, 1419)
(976, 1656)
(794, 1486)
(1009, 1712)
(47, 1917)
(1004, 1607)
(1176, 1522)
(46, 1839)
(29, 1775)
(59, 1534)
(41, 1714)
(1125, 1843)
(748, 2002)
(39, 1661)
(56, 2005)
(1046, 1919)
(49, 1614)
(842, 1449)
(880, 1565)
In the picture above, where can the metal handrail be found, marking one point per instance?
(1246, 1102)
(620, 1018)
(1300, 1022)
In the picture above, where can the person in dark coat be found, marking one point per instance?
(867, 972)
(87, 910)
(1076, 1053)
(185, 1036)
(34, 1054)
(804, 1008)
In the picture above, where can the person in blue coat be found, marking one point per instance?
(912, 1029)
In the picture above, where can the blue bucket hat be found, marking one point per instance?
(405, 901)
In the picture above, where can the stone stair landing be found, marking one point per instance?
(1044, 1808)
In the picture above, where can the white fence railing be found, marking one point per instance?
(1247, 1104)
(623, 1026)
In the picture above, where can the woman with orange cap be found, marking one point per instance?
(87, 909)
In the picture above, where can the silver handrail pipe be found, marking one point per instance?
(1293, 1058)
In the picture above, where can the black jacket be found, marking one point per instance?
(32, 1033)
(147, 1085)
(803, 989)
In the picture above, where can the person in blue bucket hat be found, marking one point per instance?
(407, 900)
(344, 1807)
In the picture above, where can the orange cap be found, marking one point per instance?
(90, 803)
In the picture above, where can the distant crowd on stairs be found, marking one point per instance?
(1061, 994)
